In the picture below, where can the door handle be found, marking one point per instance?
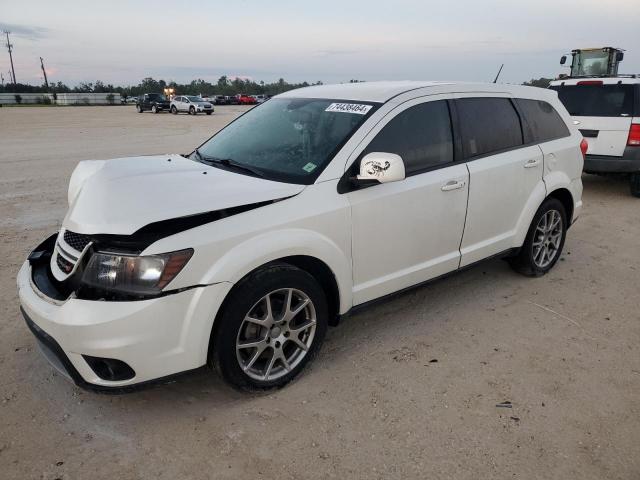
(453, 185)
(532, 163)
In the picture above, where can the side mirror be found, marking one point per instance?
(381, 167)
(619, 56)
(563, 59)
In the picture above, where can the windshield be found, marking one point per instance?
(290, 140)
(611, 100)
(590, 63)
(195, 99)
(157, 96)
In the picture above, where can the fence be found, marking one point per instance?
(60, 98)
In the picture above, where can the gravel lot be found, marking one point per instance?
(407, 389)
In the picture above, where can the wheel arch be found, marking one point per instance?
(566, 198)
(313, 266)
(540, 194)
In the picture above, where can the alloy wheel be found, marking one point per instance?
(547, 238)
(276, 334)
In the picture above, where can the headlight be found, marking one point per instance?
(134, 274)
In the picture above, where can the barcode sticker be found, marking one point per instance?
(358, 108)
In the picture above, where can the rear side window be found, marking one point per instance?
(597, 100)
(421, 135)
(488, 125)
(543, 121)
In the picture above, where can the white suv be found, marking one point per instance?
(315, 202)
(607, 111)
(190, 104)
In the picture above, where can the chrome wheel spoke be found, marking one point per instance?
(537, 252)
(258, 321)
(252, 344)
(285, 364)
(267, 301)
(298, 330)
(299, 342)
(254, 357)
(289, 313)
(270, 365)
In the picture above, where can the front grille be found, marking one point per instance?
(76, 240)
(63, 264)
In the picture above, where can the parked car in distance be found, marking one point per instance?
(191, 105)
(321, 200)
(244, 99)
(221, 100)
(155, 102)
(260, 98)
(607, 111)
(132, 99)
(233, 100)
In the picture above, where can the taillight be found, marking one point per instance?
(634, 135)
(590, 82)
(584, 145)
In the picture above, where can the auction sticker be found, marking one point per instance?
(359, 108)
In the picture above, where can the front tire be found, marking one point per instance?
(154, 109)
(174, 110)
(272, 325)
(139, 108)
(634, 184)
(208, 113)
(192, 111)
(544, 241)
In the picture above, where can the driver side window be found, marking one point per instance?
(421, 135)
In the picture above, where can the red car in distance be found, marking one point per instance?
(244, 99)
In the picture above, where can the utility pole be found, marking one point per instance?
(46, 82)
(10, 48)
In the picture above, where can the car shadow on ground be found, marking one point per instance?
(617, 185)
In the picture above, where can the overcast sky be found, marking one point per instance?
(121, 42)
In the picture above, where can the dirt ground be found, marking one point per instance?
(407, 389)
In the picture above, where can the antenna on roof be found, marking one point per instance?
(495, 80)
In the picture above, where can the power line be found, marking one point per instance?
(10, 48)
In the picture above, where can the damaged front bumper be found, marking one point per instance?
(112, 345)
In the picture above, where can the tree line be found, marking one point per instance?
(224, 86)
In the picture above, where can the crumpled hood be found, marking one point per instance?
(123, 195)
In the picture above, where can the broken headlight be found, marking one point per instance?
(134, 274)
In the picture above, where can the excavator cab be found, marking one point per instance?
(594, 62)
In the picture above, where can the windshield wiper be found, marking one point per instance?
(198, 155)
(228, 163)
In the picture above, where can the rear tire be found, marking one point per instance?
(139, 108)
(174, 110)
(285, 335)
(634, 184)
(544, 241)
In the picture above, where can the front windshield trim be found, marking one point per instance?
(311, 178)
